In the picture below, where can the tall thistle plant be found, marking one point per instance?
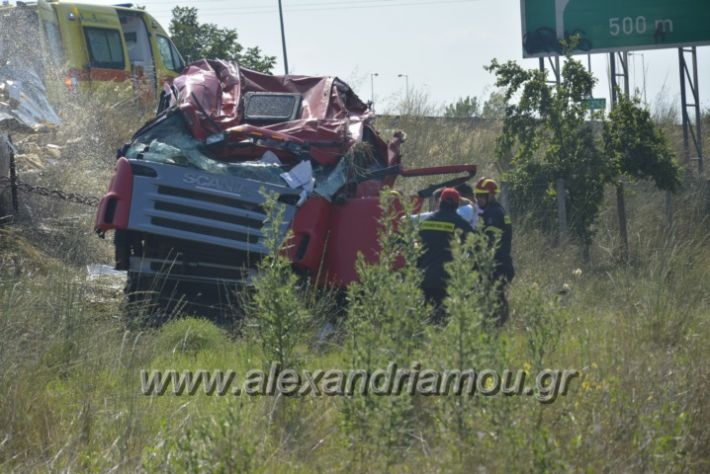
(277, 312)
(468, 342)
(386, 325)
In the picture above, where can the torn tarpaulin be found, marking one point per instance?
(23, 100)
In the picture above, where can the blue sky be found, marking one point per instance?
(441, 45)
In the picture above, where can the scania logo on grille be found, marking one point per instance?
(213, 182)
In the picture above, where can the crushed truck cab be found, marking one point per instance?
(186, 200)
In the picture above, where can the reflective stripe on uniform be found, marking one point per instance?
(439, 226)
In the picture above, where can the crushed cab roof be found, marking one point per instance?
(210, 95)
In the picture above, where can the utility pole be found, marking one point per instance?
(372, 89)
(643, 65)
(406, 84)
(283, 38)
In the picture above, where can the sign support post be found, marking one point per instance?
(689, 80)
(555, 68)
(560, 183)
(615, 90)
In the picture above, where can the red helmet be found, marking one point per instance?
(486, 186)
(450, 196)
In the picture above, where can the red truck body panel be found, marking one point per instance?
(310, 232)
(116, 203)
(353, 229)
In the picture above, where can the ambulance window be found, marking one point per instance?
(171, 58)
(179, 62)
(105, 48)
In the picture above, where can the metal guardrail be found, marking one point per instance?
(15, 185)
(18, 185)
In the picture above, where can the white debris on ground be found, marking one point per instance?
(107, 284)
(100, 271)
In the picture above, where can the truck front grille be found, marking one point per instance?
(230, 215)
(204, 230)
(211, 198)
(207, 214)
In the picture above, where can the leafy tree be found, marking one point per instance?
(638, 150)
(546, 138)
(254, 59)
(637, 147)
(494, 107)
(197, 40)
(465, 107)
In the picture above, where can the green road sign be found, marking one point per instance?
(596, 104)
(613, 25)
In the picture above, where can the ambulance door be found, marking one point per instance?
(140, 51)
(103, 37)
(51, 35)
(168, 60)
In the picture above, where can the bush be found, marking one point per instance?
(190, 336)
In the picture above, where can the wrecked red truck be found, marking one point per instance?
(185, 202)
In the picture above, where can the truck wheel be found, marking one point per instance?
(141, 300)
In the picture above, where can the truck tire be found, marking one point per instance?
(142, 301)
(152, 301)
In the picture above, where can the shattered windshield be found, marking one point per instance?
(169, 141)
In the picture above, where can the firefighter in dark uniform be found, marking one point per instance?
(495, 223)
(436, 233)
